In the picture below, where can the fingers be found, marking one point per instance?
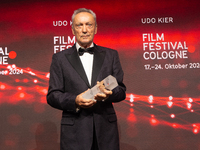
(107, 92)
(103, 96)
(104, 92)
(103, 89)
(100, 96)
(100, 85)
(84, 103)
(87, 103)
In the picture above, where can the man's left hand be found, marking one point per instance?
(104, 92)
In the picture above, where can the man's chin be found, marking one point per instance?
(83, 44)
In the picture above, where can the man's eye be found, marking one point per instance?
(89, 25)
(78, 25)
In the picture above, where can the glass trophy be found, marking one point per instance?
(109, 82)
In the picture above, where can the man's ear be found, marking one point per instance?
(95, 30)
(73, 31)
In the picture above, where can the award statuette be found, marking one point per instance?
(109, 82)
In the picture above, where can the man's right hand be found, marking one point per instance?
(84, 103)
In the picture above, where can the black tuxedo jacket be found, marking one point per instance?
(67, 80)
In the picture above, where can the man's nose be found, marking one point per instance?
(84, 29)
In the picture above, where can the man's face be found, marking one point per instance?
(84, 28)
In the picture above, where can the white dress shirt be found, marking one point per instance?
(87, 61)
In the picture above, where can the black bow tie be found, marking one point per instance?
(81, 51)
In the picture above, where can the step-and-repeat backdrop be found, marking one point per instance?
(159, 48)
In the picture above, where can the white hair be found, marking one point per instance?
(83, 10)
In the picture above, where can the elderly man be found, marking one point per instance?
(86, 124)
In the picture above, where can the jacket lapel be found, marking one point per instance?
(99, 56)
(75, 61)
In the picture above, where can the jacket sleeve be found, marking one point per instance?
(119, 93)
(57, 97)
